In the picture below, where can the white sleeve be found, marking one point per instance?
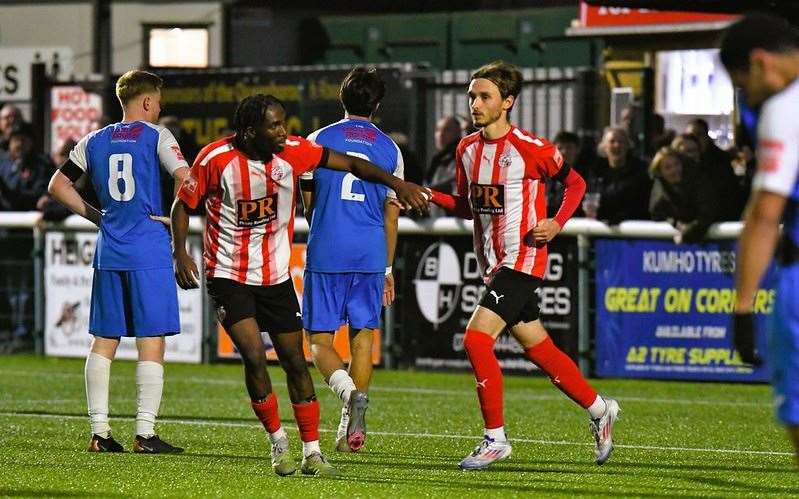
(777, 147)
(399, 171)
(78, 153)
(312, 137)
(169, 152)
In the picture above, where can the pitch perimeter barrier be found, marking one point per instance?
(624, 301)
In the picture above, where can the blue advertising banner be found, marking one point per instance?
(664, 311)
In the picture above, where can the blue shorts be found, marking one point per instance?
(784, 347)
(331, 300)
(134, 303)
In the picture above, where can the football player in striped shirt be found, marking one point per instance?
(501, 173)
(248, 183)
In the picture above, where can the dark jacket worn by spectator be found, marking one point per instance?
(624, 190)
(24, 174)
(686, 199)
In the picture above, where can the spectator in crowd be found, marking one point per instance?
(10, 115)
(688, 145)
(413, 168)
(440, 174)
(568, 144)
(620, 178)
(657, 135)
(718, 164)
(682, 195)
(24, 173)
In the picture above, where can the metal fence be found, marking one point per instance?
(550, 100)
(23, 293)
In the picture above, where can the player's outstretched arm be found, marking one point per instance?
(62, 190)
(574, 188)
(453, 204)
(186, 273)
(409, 194)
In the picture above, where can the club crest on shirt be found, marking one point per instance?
(254, 212)
(505, 160)
(487, 199)
(278, 173)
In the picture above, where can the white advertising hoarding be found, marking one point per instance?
(15, 68)
(68, 290)
(74, 113)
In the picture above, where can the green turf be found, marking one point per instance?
(674, 439)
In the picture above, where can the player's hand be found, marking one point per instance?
(743, 334)
(545, 230)
(164, 220)
(186, 273)
(413, 197)
(388, 290)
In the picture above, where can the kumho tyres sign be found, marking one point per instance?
(441, 286)
(204, 101)
(665, 311)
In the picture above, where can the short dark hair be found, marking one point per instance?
(564, 136)
(700, 122)
(505, 76)
(362, 90)
(251, 111)
(136, 82)
(756, 31)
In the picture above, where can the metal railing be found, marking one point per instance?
(27, 264)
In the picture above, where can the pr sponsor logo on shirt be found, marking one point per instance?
(255, 212)
(487, 199)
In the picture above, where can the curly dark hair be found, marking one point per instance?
(251, 111)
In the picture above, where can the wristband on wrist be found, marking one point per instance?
(388, 269)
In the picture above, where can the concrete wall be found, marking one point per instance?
(50, 24)
(126, 28)
(70, 24)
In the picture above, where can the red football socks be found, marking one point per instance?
(562, 371)
(266, 412)
(307, 416)
(480, 350)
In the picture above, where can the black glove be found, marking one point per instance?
(743, 327)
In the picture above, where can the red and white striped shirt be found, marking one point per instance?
(249, 207)
(504, 180)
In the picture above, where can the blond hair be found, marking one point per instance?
(663, 153)
(135, 83)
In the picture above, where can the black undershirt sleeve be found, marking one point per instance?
(325, 157)
(563, 173)
(72, 171)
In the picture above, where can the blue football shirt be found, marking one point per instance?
(347, 233)
(123, 161)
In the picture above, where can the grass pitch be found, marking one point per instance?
(673, 439)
